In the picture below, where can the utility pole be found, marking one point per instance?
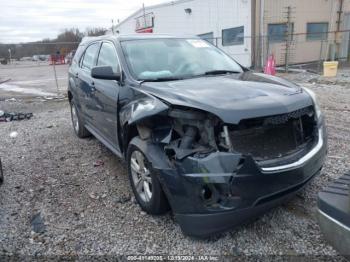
(55, 74)
(338, 33)
(288, 37)
(262, 24)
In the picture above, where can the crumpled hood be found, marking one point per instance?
(234, 97)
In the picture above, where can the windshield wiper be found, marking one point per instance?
(161, 79)
(221, 72)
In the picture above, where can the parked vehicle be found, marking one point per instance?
(334, 214)
(201, 135)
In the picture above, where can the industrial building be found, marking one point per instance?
(295, 31)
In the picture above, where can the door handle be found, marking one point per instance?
(77, 75)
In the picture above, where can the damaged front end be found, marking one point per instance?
(217, 175)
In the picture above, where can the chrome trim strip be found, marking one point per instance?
(334, 220)
(301, 161)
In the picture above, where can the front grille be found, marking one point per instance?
(274, 137)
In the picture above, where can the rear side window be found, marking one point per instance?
(89, 56)
(108, 57)
(77, 54)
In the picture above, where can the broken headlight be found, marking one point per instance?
(314, 99)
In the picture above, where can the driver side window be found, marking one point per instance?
(108, 57)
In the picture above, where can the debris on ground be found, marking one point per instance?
(37, 223)
(56, 98)
(12, 116)
(13, 134)
(98, 163)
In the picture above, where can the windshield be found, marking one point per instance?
(156, 59)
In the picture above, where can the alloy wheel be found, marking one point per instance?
(141, 176)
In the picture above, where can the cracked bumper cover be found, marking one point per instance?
(220, 191)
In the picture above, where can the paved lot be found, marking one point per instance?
(32, 79)
(85, 208)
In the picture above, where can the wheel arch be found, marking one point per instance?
(157, 158)
(129, 133)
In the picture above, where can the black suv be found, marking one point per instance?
(201, 135)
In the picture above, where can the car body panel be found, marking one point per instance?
(105, 111)
(255, 99)
(250, 192)
(87, 93)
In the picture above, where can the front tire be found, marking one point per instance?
(144, 183)
(77, 122)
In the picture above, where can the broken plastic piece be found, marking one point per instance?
(8, 117)
(13, 134)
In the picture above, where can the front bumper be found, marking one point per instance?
(217, 192)
(203, 225)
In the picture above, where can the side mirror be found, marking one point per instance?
(105, 72)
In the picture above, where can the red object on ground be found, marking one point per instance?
(270, 68)
(57, 60)
(98, 163)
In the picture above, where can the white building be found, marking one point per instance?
(250, 30)
(208, 18)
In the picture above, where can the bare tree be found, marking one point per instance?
(97, 31)
(66, 41)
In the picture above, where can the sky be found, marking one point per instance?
(32, 20)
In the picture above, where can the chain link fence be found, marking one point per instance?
(291, 50)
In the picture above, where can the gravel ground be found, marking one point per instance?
(76, 194)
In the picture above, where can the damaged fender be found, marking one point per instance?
(141, 109)
(154, 153)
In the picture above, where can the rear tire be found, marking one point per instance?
(144, 183)
(77, 122)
